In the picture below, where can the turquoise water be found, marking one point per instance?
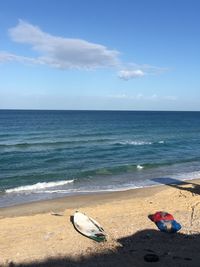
(49, 154)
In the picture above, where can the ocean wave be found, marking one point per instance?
(92, 190)
(138, 142)
(140, 167)
(74, 143)
(38, 186)
(53, 143)
(187, 175)
(134, 143)
(29, 144)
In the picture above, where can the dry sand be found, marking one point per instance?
(41, 234)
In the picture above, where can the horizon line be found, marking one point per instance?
(99, 110)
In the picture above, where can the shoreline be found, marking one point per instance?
(76, 201)
(81, 200)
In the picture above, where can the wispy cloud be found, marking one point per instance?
(67, 53)
(8, 57)
(141, 97)
(63, 53)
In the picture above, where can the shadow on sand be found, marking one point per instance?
(169, 249)
(182, 185)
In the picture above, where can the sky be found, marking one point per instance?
(100, 54)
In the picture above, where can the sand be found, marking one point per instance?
(41, 234)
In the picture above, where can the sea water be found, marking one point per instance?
(50, 154)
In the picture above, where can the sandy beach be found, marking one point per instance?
(41, 234)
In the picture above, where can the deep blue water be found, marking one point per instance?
(48, 154)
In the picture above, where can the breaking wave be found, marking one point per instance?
(139, 142)
(38, 186)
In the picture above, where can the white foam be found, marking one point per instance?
(135, 143)
(83, 191)
(38, 186)
(187, 176)
(53, 191)
(140, 167)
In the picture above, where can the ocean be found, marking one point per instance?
(51, 154)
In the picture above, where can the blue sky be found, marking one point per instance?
(97, 54)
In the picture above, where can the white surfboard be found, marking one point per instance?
(88, 227)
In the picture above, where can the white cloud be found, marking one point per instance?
(154, 97)
(63, 53)
(171, 98)
(140, 97)
(130, 74)
(67, 53)
(6, 57)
